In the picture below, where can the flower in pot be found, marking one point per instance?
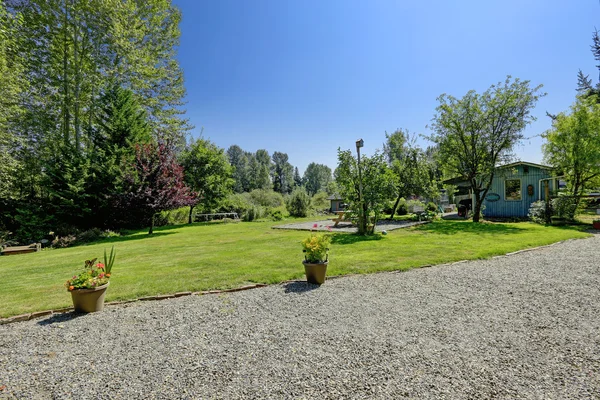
(316, 258)
(89, 287)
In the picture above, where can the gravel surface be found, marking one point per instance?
(520, 326)
(328, 225)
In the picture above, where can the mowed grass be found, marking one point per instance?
(220, 256)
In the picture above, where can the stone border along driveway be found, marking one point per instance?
(347, 227)
(521, 326)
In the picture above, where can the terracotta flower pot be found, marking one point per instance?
(89, 300)
(315, 273)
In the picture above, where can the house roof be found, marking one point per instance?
(525, 163)
(335, 196)
(458, 180)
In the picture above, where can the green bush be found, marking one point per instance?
(564, 207)
(237, 202)
(431, 206)
(279, 213)
(177, 216)
(253, 213)
(299, 203)
(266, 198)
(402, 208)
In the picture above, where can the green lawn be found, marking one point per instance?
(218, 256)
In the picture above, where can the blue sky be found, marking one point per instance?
(306, 77)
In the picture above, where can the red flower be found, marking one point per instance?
(100, 265)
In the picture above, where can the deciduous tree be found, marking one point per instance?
(368, 196)
(573, 144)
(477, 132)
(283, 179)
(207, 173)
(316, 177)
(155, 184)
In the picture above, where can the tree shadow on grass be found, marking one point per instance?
(58, 318)
(300, 287)
(351, 238)
(454, 227)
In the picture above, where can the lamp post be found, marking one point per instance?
(361, 210)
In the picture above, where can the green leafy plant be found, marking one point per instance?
(94, 274)
(108, 262)
(316, 248)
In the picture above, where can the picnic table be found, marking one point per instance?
(341, 216)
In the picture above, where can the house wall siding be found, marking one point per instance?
(516, 208)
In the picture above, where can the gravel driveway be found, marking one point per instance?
(520, 326)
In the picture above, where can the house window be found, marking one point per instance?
(512, 189)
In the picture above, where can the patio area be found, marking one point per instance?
(328, 225)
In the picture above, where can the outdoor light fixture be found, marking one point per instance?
(361, 217)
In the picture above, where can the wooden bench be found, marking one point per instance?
(32, 248)
(210, 217)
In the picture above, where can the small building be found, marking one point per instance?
(336, 202)
(514, 187)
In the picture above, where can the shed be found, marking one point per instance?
(336, 202)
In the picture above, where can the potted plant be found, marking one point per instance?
(596, 224)
(89, 287)
(316, 258)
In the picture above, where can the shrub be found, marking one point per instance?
(299, 203)
(537, 212)
(90, 235)
(266, 198)
(564, 207)
(315, 248)
(64, 241)
(238, 203)
(431, 206)
(253, 213)
(177, 216)
(402, 208)
(279, 213)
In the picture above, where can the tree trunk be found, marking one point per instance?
(477, 209)
(395, 206)
(190, 217)
(65, 79)
(151, 231)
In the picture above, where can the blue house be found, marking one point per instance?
(515, 186)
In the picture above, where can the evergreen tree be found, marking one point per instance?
(297, 177)
(122, 124)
